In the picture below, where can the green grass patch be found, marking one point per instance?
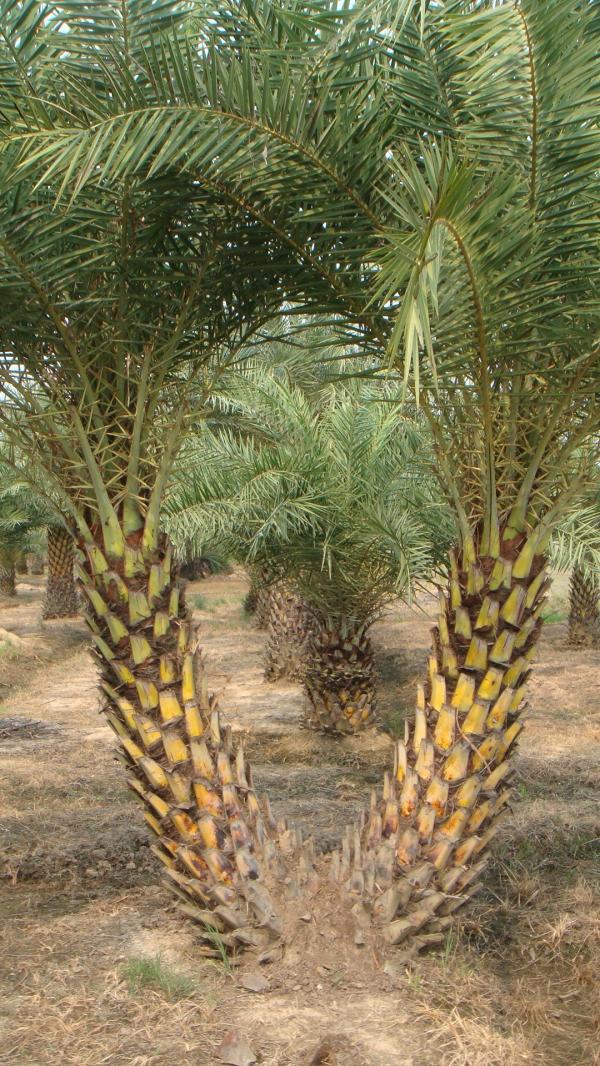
(213, 935)
(554, 615)
(154, 973)
(210, 604)
(8, 650)
(523, 792)
(392, 722)
(555, 850)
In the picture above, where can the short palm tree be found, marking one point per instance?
(584, 607)
(26, 499)
(23, 517)
(431, 170)
(19, 533)
(575, 546)
(332, 495)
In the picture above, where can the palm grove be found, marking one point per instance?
(325, 491)
(421, 177)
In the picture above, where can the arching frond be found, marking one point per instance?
(335, 494)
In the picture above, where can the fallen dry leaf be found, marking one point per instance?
(235, 1051)
(254, 982)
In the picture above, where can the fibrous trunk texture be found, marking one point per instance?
(195, 569)
(220, 847)
(418, 854)
(584, 614)
(7, 574)
(261, 610)
(289, 628)
(21, 562)
(61, 600)
(256, 600)
(339, 679)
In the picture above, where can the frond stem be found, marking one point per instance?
(534, 109)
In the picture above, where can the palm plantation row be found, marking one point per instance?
(324, 492)
(419, 180)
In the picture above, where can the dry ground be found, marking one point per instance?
(96, 967)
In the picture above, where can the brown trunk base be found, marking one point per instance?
(289, 628)
(225, 857)
(417, 855)
(340, 681)
(7, 582)
(584, 609)
(61, 600)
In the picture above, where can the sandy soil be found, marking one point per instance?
(96, 965)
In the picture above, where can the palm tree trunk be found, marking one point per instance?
(215, 841)
(340, 680)
(7, 574)
(584, 614)
(35, 563)
(417, 857)
(256, 601)
(21, 563)
(251, 597)
(288, 631)
(61, 599)
(261, 610)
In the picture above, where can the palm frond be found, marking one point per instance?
(423, 176)
(576, 540)
(328, 491)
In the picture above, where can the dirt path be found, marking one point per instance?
(97, 967)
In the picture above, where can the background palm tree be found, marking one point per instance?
(575, 546)
(29, 507)
(18, 534)
(331, 494)
(61, 600)
(431, 171)
(23, 517)
(60, 595)
(584, 608)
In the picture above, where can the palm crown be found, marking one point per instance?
(462, 168)
(333, 493)
(23, 514)
(329, 491)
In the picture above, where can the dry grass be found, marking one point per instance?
(97, 968)
(100, 986)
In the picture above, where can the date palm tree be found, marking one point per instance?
(584, 608)
(332, 493)
(119, 311)
(23, 517)
(18, 534)
(26, 496)
(431, 170)
(575, 546)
